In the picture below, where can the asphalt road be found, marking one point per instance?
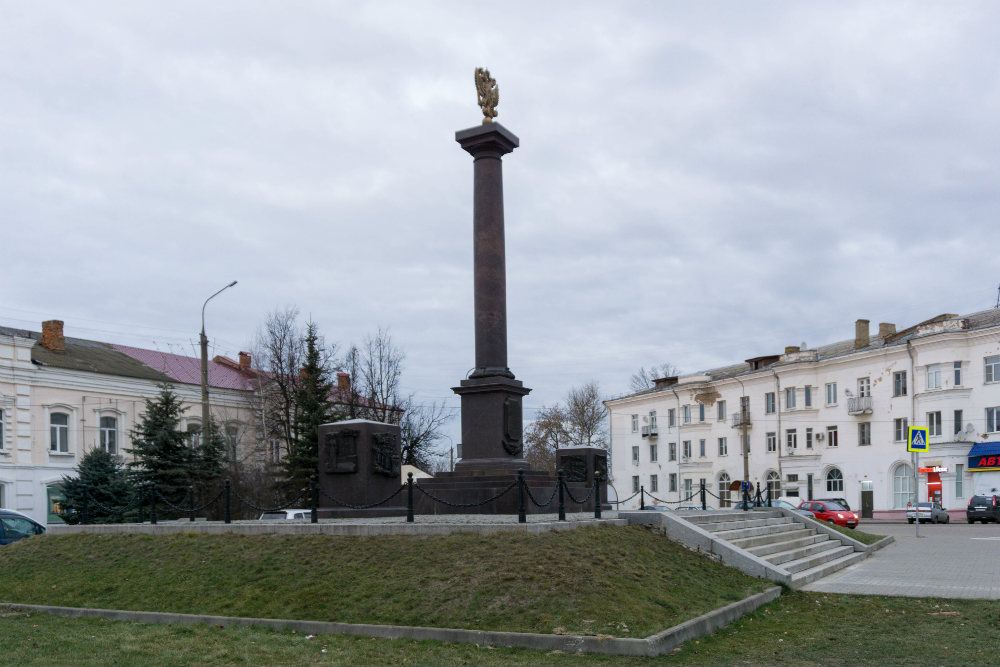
(953, 560)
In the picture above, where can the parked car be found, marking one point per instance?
(840, 501)
(656, 508)
(15, 526)
(831, 512)
(695, 507)
(983, 508)
(777, 502)
(927, 512)
(279, 515)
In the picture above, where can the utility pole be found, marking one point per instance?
(204, 363)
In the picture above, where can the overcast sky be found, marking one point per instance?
(697, 183)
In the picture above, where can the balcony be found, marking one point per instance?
(859, 405)
(741, 419)
(649, 431)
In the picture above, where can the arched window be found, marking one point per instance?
(902, 486)
(834, 480)
(724, 481)
(773, 484)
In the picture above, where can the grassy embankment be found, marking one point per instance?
(622, 581)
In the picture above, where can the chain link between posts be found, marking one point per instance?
(362, 507)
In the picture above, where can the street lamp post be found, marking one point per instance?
(204, 362)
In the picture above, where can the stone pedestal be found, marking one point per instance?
(580, 463)
(359, 464)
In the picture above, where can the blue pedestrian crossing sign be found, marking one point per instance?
(916, 439)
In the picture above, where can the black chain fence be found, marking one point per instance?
(149, 497)
(758, 499)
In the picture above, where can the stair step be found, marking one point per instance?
(737, 534)
(768, 548)
(739, 524)
(815, 560)
(798, 553)
(804, 577)
(773, 537)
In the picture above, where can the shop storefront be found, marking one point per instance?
(984, 464)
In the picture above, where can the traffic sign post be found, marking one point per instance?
(916, 442)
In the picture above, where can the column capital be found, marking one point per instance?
(489, 140)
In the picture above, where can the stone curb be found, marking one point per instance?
(661, 642)
(331, 528)
(881, 544)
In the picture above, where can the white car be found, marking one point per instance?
(279, 515)
(928, 513)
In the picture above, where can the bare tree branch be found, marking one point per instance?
(643, 378)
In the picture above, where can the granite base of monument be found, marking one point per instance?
(464, 493)
(359, 464)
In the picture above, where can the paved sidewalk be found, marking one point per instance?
(954, 560)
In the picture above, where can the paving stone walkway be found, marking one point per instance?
(954, 560)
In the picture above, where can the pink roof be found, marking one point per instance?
(188, 369)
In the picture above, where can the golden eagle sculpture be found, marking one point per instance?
(489, 94)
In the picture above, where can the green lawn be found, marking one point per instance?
(622, 581)
(797, 629)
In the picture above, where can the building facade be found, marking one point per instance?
(61, 397)
(824, 422)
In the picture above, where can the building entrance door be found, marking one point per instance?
(809, 486)
(867, 499)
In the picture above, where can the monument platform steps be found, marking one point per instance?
(799, 547)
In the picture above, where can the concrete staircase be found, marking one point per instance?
(777, 544)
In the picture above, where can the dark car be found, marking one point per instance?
(15, 526)
(983, 508)
(840, 501)
(831, 512)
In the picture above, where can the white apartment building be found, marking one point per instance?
(825, 422)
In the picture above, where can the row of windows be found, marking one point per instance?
(833, 480)
(108, 433)
(832, 435)
(934, 375)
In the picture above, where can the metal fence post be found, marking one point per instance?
(642, 497)
(152, 503)
(704, 505)
(597, 495)
(562, 501)
(409, 497)
(229, 489)
(769, 497)
(83, 517)
(191, 494)
(521, 513)
(313, 515)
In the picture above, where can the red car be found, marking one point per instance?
(831, 512)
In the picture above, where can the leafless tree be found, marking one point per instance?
(377, 369)
(543, 436)
(586, 417)
(643, 378)
(278, 355)
(420, 431)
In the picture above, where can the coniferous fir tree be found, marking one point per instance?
(105, 481)
(165, 456)
(313, 408)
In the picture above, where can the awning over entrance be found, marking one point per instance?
(984, 456)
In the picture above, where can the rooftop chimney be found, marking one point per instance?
(861, 334)
(344, 381)
(886, 329)
(791, 349)
(52, 336)
(244, 361)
